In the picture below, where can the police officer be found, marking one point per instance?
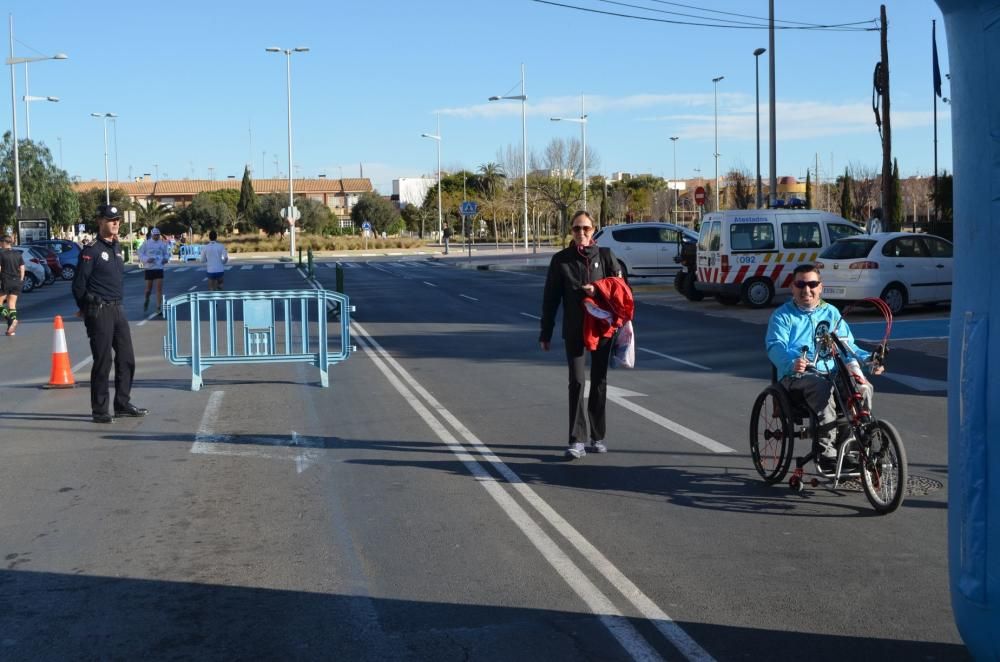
(98, 289)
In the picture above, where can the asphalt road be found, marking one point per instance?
(420, 507)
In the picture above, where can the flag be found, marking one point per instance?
(937, 69)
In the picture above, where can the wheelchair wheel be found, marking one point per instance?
(884, 474)
(771, 434)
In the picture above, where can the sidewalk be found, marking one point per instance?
(488, 258)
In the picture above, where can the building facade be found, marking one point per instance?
(338, 195)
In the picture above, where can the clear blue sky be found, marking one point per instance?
(194, 88)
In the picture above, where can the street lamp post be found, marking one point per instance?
(107, 186)
(673, 139)
(437, 138)
(756, 59)
(11, 61)
(288, 81)
(582, 121)
(716, 82)
(27, 115)
(524, 152)
(27, 98)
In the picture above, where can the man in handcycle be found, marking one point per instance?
(799, 324)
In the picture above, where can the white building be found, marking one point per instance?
(411, 190)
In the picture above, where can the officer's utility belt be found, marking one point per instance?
(101, 303)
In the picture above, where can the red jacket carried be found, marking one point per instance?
(610, 307)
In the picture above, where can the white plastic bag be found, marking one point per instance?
(623, 352)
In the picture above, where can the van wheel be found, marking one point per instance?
(757, 292)
(692, 292)
(727, 299)
(895, 297)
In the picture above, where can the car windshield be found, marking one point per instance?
(848, 249)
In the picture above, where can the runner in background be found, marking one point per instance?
(215, 257)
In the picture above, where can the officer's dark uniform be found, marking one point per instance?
(98, 290)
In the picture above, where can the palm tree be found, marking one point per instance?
(153, 213)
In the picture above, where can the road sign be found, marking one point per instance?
(366, 226)
(699, 196)
(469, 208)
(296, 214)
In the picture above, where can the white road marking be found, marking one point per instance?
(82, 364)
(246, 267)
(207, 425)
(148, 317)
(192, 288)
(465, 296)
(428, 283)
(269, 266)
(610, 616)
(206, 442)
(618, 395)
(534, 317)
(290, 266)
(674, 358)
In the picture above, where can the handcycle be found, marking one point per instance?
(872, 445)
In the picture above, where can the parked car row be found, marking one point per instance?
(47, 260)
(748, 256)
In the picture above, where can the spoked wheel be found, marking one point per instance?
(771, 435)
(884, 474)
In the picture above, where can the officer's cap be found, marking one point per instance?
(108, 212)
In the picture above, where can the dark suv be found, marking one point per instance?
(67, 251)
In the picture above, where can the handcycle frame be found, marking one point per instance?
(777, 420)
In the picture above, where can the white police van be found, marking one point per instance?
(749, 254)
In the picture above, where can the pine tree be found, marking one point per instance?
(246, 208)
(896, 222)
(846, 203)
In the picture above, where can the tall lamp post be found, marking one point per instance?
(288, 80)
(11, 61)
(107, 186)
(582, 121)
(436, 137)
(524, 152)
(27, 115)
(674, 139)
(716, 82)
(756, 59)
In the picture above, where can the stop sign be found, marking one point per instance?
(699, 196)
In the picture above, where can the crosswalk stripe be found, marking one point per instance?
(269, 266)
(246, 267)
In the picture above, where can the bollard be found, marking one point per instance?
(300, 257)
(340, 279)
(309, 258)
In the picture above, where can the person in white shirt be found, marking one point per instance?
(215, 257)
(154, 255)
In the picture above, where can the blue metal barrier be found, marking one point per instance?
(274, 331)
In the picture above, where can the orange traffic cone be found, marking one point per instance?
(62, 373)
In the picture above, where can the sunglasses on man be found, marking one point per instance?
(811, 284)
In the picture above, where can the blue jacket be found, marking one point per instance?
(791, 328)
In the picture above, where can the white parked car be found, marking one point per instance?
(34, 269)
(646, 249)
(898, 267)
